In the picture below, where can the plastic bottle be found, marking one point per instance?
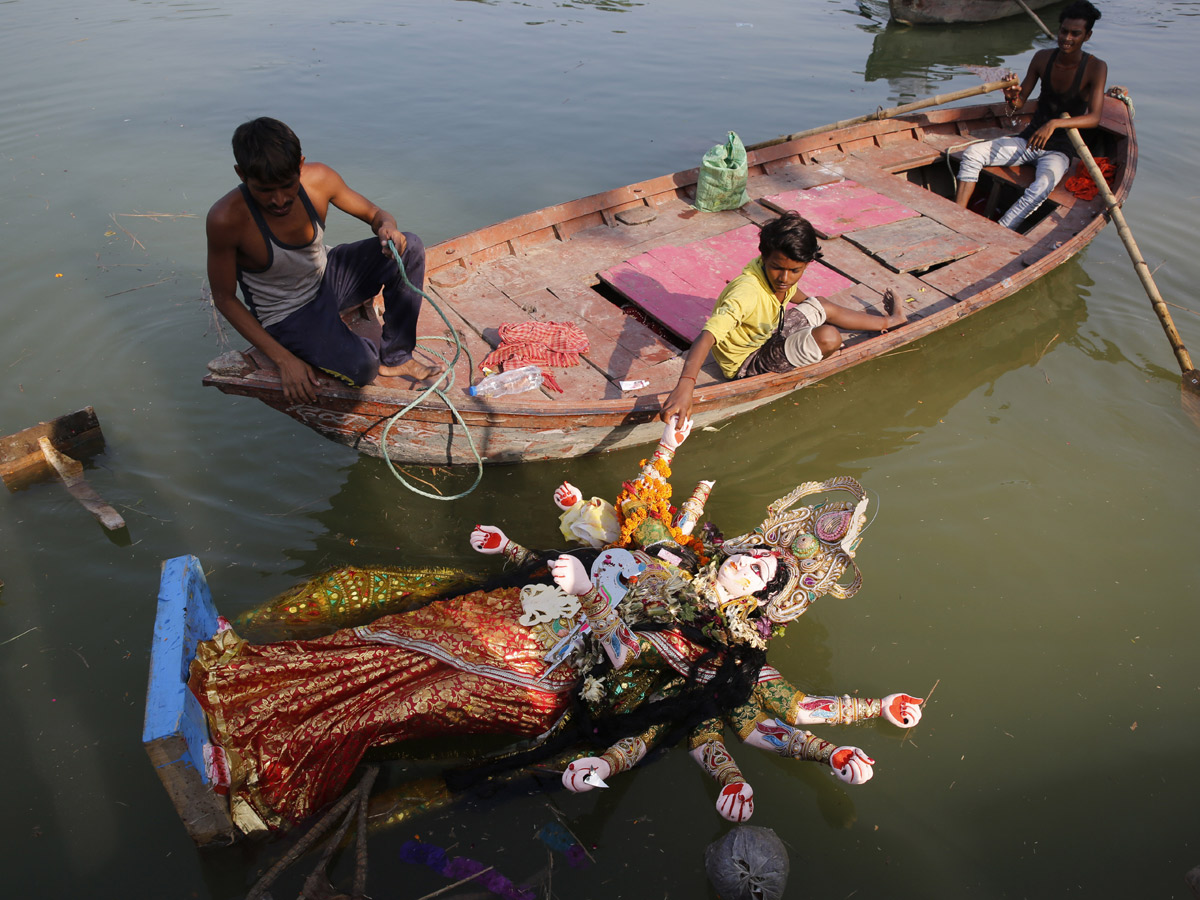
(514, 381)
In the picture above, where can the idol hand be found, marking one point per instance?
(566, 495)
(902, 710)
(736, 801)
(569, 574)
(583, 774)
(851, 765)
(488, 539)
(675, 433)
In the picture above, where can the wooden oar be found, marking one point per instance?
(891, 112)
(1191, 378)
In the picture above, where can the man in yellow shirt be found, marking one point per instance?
(752, 330)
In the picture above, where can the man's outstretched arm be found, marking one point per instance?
(350, 201)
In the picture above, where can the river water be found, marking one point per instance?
(1035, 475)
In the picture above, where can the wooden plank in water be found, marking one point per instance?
(834, 209)
(21, 460)
(913, 245)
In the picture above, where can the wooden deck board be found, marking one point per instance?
(852, 262)
(899, 157)
(834, 209)
(914, 244)
(678, 286)
(936, 207)
(968, 276)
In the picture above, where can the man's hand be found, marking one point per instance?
(1038, 139)
(299, 380)
(390, 231)
(679, 401)
(488, 539)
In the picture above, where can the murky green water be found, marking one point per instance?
(1033, 554)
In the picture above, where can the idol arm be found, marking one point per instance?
(735, 800)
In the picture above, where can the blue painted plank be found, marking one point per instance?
(185, 617)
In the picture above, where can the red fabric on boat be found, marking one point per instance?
(1081, 184)
(538, 344)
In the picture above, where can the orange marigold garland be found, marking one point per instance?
(648, 498)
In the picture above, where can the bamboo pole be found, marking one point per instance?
(1034, 16)
(1191, 378)
(889, 113)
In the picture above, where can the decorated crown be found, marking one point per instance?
(816, 544)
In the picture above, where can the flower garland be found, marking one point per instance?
(649, 497)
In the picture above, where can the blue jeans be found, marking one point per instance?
(1015, 151)
(353, 275)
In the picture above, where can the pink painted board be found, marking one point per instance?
(663, 295)
(679, 286)
(835, 209)
(706, 270)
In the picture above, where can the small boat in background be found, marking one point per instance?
(949, 12)
(638, 269)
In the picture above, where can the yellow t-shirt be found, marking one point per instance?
(745, 315)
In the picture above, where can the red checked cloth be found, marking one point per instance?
(538, 344)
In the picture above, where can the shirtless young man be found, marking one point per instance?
(1072, 82)
(753, 330)
(267, 237)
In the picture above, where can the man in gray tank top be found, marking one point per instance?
(266, 237)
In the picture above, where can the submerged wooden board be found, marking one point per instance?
(21, 459)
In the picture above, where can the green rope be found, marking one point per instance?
(438, 388)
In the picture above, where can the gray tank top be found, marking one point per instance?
(292, 275)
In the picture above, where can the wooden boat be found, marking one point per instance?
(949, 12)
(878, 194)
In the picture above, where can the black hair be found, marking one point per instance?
(792, 235)
(267, 150)
(1080, 9)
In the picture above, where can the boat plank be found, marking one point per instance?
(914, 244)
(969, 276)
(919, 298)
(899, 157)
(834, 209)
(936, 207)
(621, 346)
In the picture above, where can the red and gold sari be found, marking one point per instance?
(296, 717)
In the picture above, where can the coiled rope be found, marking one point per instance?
(443, 383)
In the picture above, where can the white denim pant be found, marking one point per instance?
(1015, 151)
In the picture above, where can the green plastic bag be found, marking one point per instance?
(722, 183)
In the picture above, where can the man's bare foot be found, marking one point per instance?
(410, 368)
(896, 316)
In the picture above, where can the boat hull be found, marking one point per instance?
(564, 263)
(950, 12)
